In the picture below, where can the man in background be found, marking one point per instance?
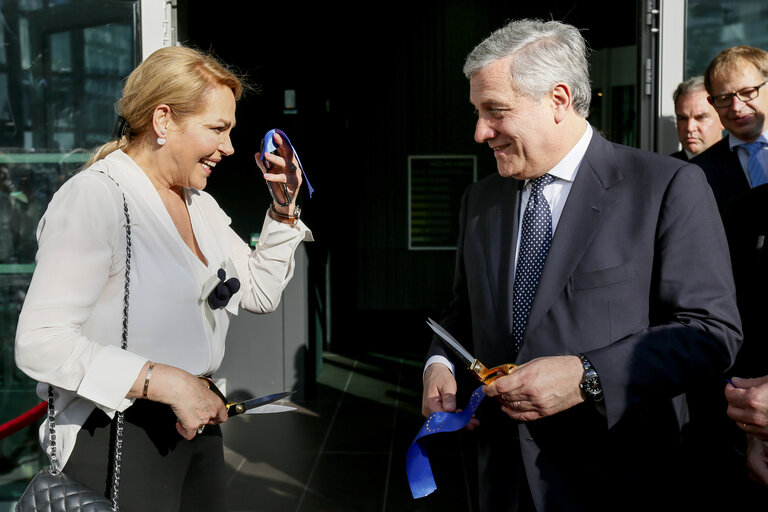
(736, 83)
(736, 169)
(698, 125)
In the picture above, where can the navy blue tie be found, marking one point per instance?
(535, 238)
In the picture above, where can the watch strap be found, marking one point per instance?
(590, 383)
(285, 218)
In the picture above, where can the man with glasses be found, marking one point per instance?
(737, 170)
(698, 125)
(735, 81)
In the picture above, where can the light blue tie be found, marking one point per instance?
(755, 169)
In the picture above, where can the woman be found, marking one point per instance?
(179, 110)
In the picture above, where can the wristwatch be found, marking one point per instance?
(590, 382)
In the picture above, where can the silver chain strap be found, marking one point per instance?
(124, 345)
(52, 433)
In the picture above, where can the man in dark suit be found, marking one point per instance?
(697, 122)
(634, 303)
(736, 169)
(736, 80)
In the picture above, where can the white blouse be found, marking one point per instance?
(70, 327)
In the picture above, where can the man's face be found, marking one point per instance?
(517, 128)
(698, 125)
(744, 119)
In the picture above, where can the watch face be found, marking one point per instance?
(591, 384)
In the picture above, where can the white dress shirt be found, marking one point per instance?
(556, 194)
(69, 330)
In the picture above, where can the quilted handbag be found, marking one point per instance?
(53, 491)
(56, 492)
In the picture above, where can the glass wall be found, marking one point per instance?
(62, 63)
(714, 25)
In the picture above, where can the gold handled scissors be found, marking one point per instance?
(478, 369)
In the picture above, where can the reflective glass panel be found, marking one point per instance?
(712, 26)
(62, 64)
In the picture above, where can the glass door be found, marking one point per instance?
(62, 64)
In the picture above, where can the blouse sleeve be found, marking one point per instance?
(265, 271)
(270, 265)
(81, 250)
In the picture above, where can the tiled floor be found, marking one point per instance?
(344, 449)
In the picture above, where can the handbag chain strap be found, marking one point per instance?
(118, 453)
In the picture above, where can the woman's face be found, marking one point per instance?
(200, 141)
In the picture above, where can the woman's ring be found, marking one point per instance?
(517, 404)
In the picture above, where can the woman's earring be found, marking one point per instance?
(161, 140)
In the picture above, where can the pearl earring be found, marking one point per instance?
(161, 140)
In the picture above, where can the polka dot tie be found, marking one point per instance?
(755, 169)
(535, 238)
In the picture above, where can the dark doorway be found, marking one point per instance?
(370, 89)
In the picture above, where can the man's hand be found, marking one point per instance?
(539, 388)
(748, 405)
(440, 393)
(439, 390)
(757, 460)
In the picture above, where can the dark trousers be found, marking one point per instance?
(503, 485)
(160, 470)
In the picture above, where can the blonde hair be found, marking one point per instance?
(737, 58)
(177, 76)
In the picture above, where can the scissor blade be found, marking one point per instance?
(454, 345)
(246, 405)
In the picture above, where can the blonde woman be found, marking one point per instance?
(178, 108)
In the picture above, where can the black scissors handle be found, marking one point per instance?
(216, 391)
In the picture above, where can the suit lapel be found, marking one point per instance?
(501, 227)
(589, 202)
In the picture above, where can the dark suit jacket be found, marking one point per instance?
(682, 155)
(746, 225)
(638, 279)
(724, 173)
(745, 217)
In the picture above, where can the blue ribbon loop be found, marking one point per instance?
(269, 146)
(417, 463)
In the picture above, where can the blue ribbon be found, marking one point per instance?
(417, 463)
(269, 146)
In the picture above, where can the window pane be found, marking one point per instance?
(712, 26)
(62, 65)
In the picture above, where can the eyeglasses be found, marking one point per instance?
(725, 100)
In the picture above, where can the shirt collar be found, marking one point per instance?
(734, 141)
(567, 168)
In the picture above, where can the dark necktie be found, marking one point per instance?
(535, 238)
(754, 168)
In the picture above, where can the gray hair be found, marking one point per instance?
(693, 84)
(543, 55)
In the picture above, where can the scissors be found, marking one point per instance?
(478, 369)
(235, 408)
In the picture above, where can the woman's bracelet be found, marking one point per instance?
(146, 379)
(284, 217)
